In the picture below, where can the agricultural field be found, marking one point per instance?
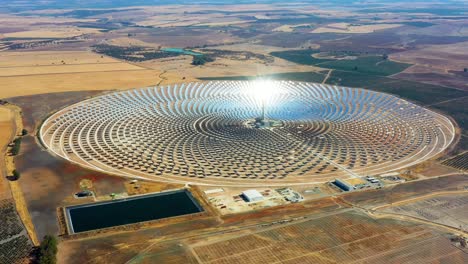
(45, 72)
(343, 237)
(50, 34)
(445, 57)
(353, 28)
(449, 210)
(421, 93)
(15, 245)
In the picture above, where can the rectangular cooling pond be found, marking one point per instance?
(131, 210)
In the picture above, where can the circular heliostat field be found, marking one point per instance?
(246, 133)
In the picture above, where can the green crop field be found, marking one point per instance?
(299, 56)
(373, 65)
(367, 64)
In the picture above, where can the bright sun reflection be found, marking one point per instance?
(263, 93)
(264, 90)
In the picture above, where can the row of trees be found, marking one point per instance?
(16, 146)
(17, 143)
(15, 149)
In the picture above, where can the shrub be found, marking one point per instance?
(48, 250)
(16, 175)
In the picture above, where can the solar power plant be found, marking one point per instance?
(246, 133)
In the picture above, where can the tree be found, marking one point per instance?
(16, 175)
(16, 146)
(385, 56)
(201, 59)
(48, 250)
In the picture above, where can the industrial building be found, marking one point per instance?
(343, 185)
(252, 195)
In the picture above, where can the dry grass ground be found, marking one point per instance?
(50, 58)
(88, 81)
(36, 63)
(435, 169)
(289, 28)
(23, 212)
(63, 32)
(67, 68)
(144, 187)
(27, 73)
(183, 15)
(22, 24)
(436, 64)
(354, 29)
(225, 23)
(47, 72)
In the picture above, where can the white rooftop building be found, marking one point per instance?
(252, 195)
